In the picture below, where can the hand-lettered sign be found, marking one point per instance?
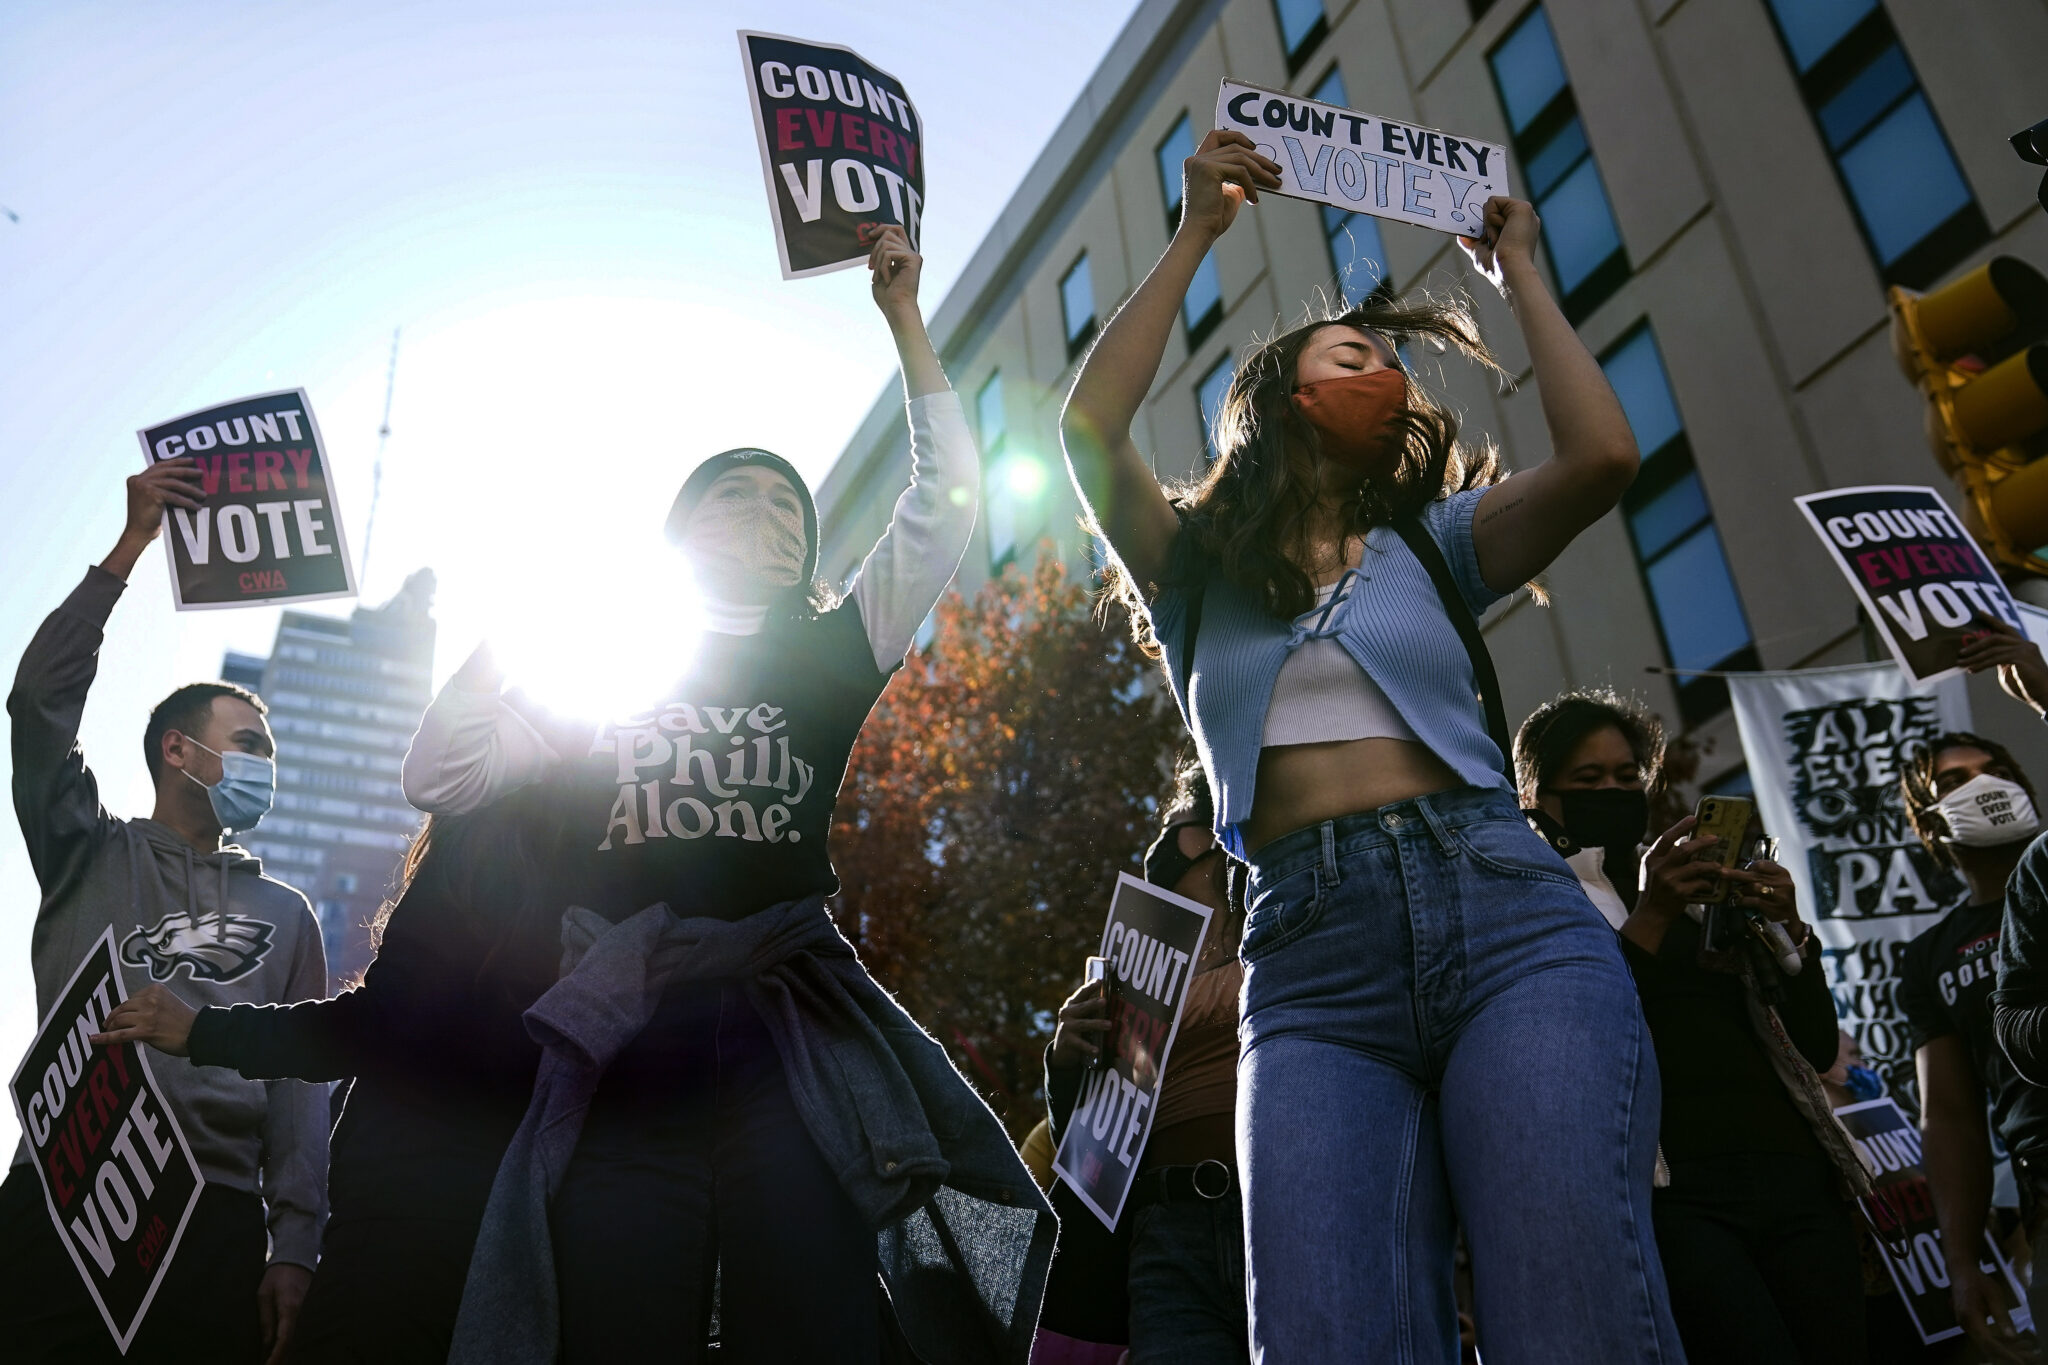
(267, 529)
(118, 1177)
(1919, 574)
(1337, 156)
(842, 149)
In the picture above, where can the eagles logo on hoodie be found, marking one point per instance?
(215, 947)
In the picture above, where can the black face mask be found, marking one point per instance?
(1605, 817)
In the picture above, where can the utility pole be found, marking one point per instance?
(377, 469)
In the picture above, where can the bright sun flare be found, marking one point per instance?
(601, 644)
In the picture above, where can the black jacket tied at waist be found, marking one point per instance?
(963, 1236)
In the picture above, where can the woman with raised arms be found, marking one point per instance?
(1438, 1027)
(722, 1089)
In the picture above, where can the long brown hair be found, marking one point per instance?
(1249, 514)
(490, 868)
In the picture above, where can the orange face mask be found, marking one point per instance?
(1355, 417)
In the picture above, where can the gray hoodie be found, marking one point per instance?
(211, 926)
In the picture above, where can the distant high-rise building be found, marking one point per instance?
(345, 696)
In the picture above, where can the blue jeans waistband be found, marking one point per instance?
(1429, 816)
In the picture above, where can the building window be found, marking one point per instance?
(1550, 140)
(1210, 390)
(1356, 252)
(1692, 594)
(1201, 312)
(1077, 306)
(345, 883)
(988, 415)
(1916, 210)
(999, 510)
(1302, 26)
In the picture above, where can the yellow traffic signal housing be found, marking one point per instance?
(1971, 349)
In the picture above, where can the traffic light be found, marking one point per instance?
(1973, 349)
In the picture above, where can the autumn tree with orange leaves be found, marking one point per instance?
(1009, 772)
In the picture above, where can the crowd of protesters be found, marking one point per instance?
(1466, 1066)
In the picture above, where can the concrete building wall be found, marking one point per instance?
(1746, 260)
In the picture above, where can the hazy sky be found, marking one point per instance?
(560, 204)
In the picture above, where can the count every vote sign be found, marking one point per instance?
(267, 529)
(1918, 573)
(1337, 156)
(118, 1177)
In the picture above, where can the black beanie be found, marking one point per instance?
(703, 475)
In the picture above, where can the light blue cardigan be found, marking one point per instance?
(1393, 624)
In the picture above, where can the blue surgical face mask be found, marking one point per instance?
(1865, 1084)
(243, 794)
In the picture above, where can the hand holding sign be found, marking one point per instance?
(1217, 180)
(896, 269)
(2022, 672)
(154, 1016)
(174, 483)
(1509, 240)
(1084, 1018)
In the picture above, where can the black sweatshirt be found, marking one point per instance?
(2020, 1006)
(442, 1064)
(1721, 1093)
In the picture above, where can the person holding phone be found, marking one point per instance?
(1436, 1024)
(1754, 1223)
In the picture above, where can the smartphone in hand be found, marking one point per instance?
(1724, 818)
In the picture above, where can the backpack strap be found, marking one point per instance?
(1424, 547)
(1189, 632)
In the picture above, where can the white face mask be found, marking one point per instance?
(1987, 811)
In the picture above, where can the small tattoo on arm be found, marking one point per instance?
(1504, 507)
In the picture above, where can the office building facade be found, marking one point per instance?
(1727, 187)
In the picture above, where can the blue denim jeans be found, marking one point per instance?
(1439, 1029)
(1187, 1283)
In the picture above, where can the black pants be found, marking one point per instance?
(693, 1160)
(1760, 1255)
(387, 1292)
(205, 1310)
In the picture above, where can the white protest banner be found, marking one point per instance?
(1916, 570)
(1152, 940)
(267, 529)
(118, 1178)
(842, 150)
(1900, 1213)
(1824, 748)
(1332, 155)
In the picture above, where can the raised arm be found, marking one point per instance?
(473, 746)
(55, 795)
(1116, 485)
(1524, 522)
(928, 531)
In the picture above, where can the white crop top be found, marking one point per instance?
(1322, 695)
